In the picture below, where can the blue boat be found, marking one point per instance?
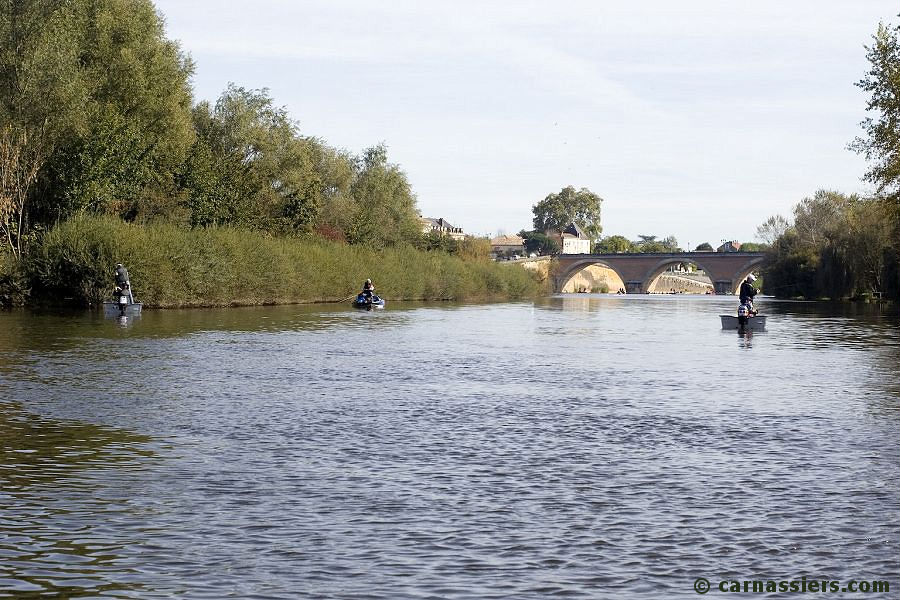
(370, 302)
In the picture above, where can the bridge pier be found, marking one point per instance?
(634, 287)
(723, 287)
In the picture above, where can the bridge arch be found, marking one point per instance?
(563, 278)
(655, 271)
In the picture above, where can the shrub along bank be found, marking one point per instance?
(171, 266)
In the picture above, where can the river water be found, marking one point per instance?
(580, 447)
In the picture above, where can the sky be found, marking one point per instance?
(698, 119)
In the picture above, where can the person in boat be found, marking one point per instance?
(745, 311)
(368, 290)
(123, 283)
(747, 291)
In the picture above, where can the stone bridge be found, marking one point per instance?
(726, 270)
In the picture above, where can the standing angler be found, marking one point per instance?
(123, 282)
(747, 291)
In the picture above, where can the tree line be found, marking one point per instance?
(98, 117)
(839, 245)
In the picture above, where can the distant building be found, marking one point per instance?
(574, 241)
(442, 227)
(729, 247)
(507, 245)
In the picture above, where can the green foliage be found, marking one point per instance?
(557, 211)
(704, 247)
(474, 248)
(839, 246)
(171, 266)
(753, 247)
(250, 167)
(649, 244)
(14, 285)
(539, 243)
(384, 208)
(881, 144)
(773, 228)
(105, 93)
(614, 244)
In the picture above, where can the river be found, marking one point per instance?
(580, 447)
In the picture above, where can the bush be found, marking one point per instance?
(14, 286)
(172, 267)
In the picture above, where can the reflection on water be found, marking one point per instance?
(583, 446)
(35, 450)
(52, 538)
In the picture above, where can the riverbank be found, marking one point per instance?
(173, 267)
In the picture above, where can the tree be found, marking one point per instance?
(816, 219)
(753, 247)
(136, 120)
(557, 211)
(671, 244)
(385, 207)
(881, 143)
(838, 247)
(250, 166)
(772, 229)
(614, 244)
(40, 99)
(649, 244)
(539, 243)
(20, 160)
(704, 247)
(105, 93)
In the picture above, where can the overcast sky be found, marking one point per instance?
(693, 119)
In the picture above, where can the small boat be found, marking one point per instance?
(122, 309)
(756, 323)
(368, 302)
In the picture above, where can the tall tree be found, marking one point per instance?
(103, 90)
(581, 207)
(881, 143)
(41, 95)
(384, 211)
(250, 166)
(772, 229)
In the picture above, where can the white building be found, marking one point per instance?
(574, 241)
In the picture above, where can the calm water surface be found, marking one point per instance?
(583, 447)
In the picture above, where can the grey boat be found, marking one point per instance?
(757, 323)
(122, 309)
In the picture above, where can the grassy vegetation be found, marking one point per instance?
(174, 267)
(13, 281)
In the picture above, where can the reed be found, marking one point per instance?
(171, 266)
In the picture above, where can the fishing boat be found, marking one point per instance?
(755, 323)
(122, 307)
(373, 301)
